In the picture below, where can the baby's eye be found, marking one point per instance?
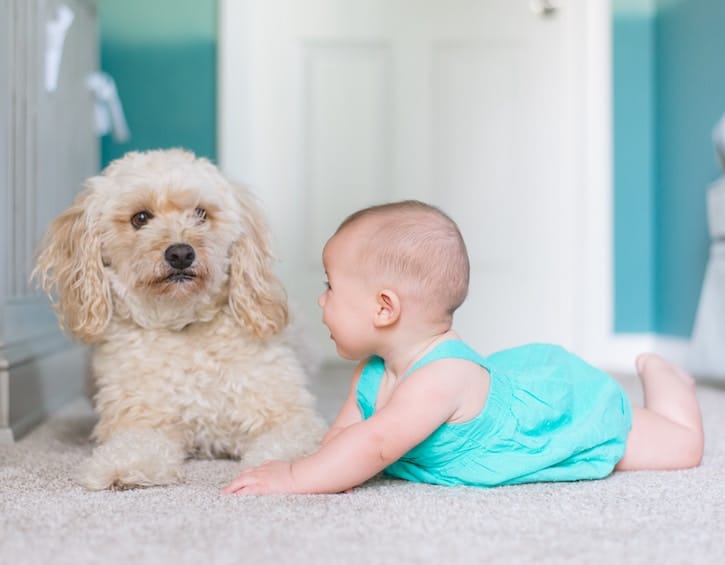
(327, 285)
(140, 219)
(201, 214)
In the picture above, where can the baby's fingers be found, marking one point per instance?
(242, 481)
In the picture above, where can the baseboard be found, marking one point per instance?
(37, 387)
(618, 351)
(676, 349)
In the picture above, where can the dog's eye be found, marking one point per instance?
(201, 214)
(140, 219)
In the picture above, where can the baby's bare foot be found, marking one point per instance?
(651, 362)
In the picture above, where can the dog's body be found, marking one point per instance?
(165, 268)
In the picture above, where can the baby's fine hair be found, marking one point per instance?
(420, 245)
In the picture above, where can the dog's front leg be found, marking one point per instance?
(136, 457)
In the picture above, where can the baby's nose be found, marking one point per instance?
(180, 255)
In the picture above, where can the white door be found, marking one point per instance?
(473, 105)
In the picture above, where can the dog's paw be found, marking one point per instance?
(131, 459)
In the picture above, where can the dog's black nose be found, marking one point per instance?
(180, 255)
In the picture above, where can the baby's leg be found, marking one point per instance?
(667, 432)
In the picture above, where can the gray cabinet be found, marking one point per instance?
(48, 146)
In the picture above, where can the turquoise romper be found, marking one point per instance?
(549, 416)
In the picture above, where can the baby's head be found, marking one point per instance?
(413, 248)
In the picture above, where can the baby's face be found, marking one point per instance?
(348, 301)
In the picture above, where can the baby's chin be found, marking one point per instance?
(341, 352)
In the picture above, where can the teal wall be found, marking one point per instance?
(669, 90)
(634, 165)
(690, 73)
(162, 55)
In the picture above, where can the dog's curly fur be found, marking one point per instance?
(165, 268)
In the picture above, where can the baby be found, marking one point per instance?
(423, 406)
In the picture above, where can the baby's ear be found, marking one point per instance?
(256, 296)
(388, 308)
(69, 268)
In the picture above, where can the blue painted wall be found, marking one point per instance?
(162, 55)
(669, 90)
(634, 165)
(690, 69)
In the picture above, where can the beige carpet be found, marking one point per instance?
(643, 517)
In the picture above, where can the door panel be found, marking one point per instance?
(465, 104)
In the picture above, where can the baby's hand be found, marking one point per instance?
(270, 477)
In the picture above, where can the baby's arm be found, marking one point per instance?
(349, 414)
(359, 451)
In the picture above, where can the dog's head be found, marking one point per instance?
(162, 239)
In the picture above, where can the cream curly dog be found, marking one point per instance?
(165, 268)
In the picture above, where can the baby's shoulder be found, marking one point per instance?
(451, 374)
(460, 384)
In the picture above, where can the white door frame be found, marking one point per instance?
(589, 38)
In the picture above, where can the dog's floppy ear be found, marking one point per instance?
(69, 268)
(256, 295)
